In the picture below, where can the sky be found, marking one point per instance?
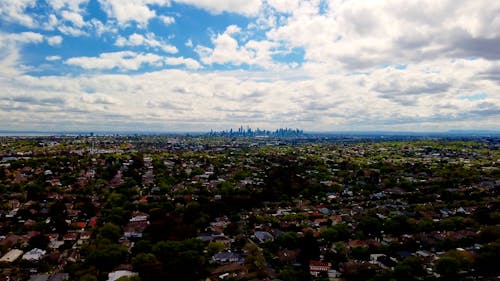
(197, 65)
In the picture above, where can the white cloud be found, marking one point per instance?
(71, 31)
(101, 28)
(138, 11)
(169, 100)
(10, 45)
(54, 40)
(283, 6)
(51, 23)
(71, 5)
(227, 50)
(148, 40)
(384, 65)
(126, 60)
(354, 35)
(167, 20)
(75, 18)
(25, 37)
(188, 62)
(67, 17)
(52, 58)
(15, 11)
(245, 7)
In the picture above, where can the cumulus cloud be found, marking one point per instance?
(71, 5)
(188, 62)
(149, 40)
(15, 12)
(75, 18)
(24, 37)
(330, 102)
(52, 58)
(54, 40)
(246, 7)
(361, 65)
(138, 11)
(362, 35)
(125, 60)
(227, 50)
(167, 20)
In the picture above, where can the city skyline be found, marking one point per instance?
(185, 65)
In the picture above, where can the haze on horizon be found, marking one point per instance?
(196, 65)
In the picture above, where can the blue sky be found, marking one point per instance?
(196, 65)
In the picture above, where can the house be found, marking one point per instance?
(232, 270)
(115, 275)
(227, 257)
(34, 255)
(11, 256)
(318, 268)
(135, 229)
(55, 244)
(71, 236)
(39, 277)
(139, 216)
(263, 236)
(59, 277)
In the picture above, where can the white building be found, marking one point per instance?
(115, 275)
(34, 255)
(11, 256)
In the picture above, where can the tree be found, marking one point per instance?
(255, 258)
(487, 260)
(288, 240)
(450, 264)
(110, 231)
(448, 268)
(182, 260)
(398, 225)
(147, 265)
(338, 232)
(107, 255)
(39, 241)
(215, 247)
(142, 246)
(369, 226)
(409, 269)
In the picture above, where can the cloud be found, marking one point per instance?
(71, 5)
(10, 45)
(167, 20)
(52, 58)
(358, 35)
(125, 60)
(101, 28)
(15, 12)
(149, 40)
(188, 62)
(328, 102)
(75, 18)
(54, 40)
(71, 31)
(245, 7)
(227, 50)
(348, 73)
(25, 37)
(138, 11)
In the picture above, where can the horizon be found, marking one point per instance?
(185, 65)
(34, 133)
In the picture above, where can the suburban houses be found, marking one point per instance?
(247, 208)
